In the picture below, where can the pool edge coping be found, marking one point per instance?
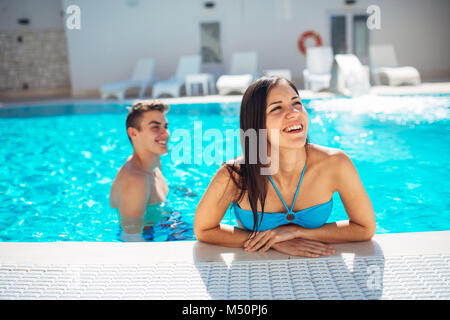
(396, 244)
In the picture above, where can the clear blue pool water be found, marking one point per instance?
(58, 163)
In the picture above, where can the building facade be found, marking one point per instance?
(114, 34)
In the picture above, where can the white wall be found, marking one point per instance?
(419, 31)
(114, 35)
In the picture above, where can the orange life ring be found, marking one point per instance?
(304, 36)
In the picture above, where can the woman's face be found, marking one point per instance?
(285, 114)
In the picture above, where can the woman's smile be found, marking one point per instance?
(295, 128)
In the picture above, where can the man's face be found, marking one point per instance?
(153, 135)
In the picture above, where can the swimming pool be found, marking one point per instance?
(58, 163)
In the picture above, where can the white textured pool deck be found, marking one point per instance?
(390, 266)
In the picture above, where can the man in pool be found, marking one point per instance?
(139, 188)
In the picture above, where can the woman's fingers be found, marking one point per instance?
(308, 254)
(299, 247)
(263, 241)
(294, 248)
(254, 239)
(267, 246)
(318, 245)
(319, 249)
(260, 240)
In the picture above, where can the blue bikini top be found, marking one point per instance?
(312, 217)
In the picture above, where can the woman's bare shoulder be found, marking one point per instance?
(324, 155)
(333, 161)
(228, 171)
(226, 179)
(232, 167)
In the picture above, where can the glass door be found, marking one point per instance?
(361, 38)
(338, 34)
(349, 34)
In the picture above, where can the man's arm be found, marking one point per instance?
(134, 196)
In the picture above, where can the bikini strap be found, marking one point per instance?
(298, 187)
(279, 195)
(296, 192)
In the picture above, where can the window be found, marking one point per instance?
(360, 36)
(210, 42)
(349, 33)
(338, 34)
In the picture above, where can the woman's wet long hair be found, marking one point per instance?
(247, 176)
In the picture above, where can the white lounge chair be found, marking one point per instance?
(186, 66)
(385, 70)
(143, 77)
(244, 70)
(317, 74)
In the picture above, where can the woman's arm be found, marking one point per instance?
(212, 208)
(361, 224)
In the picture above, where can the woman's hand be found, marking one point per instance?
(303, 248)
(263, 240)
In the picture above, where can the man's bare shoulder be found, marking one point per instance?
(129, 182)
(131, 177)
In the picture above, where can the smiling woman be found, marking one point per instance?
(287, 209)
